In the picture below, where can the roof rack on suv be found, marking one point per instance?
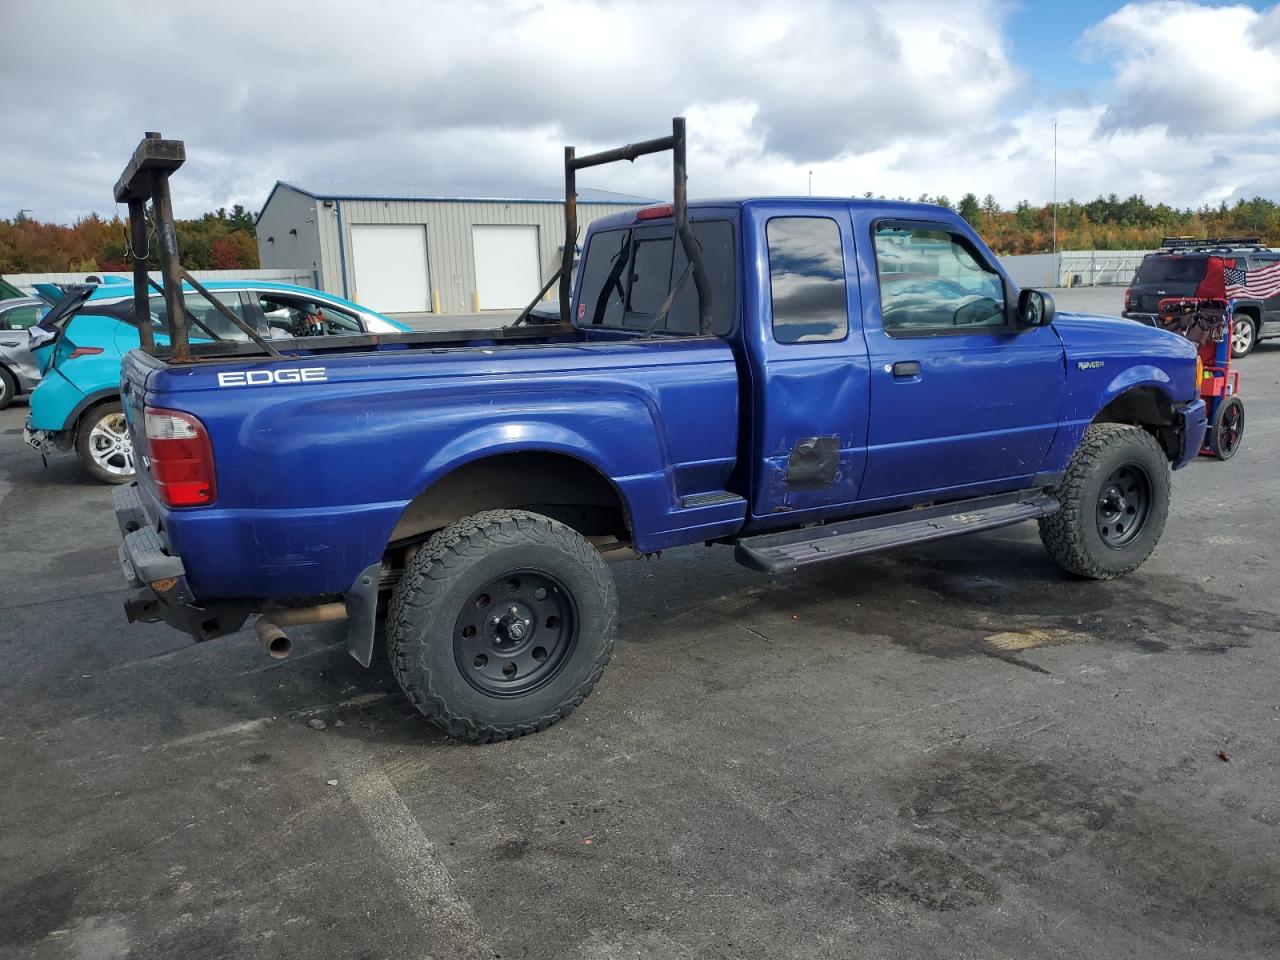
(1211, 243)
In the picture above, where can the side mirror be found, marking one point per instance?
(1035, 308)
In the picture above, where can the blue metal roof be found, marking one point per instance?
(340, 190)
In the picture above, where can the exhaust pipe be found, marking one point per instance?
(276, 641)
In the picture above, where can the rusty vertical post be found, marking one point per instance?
(138, 246)
(570, 234)
(170, 268)
(680, 209)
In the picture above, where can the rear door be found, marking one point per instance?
(1270, 304)
(808, 361)
(961, 398)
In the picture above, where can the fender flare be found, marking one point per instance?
(89, 400)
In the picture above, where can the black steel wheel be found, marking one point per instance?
(1124, 503)
(1114, 501)
(515, 632)
(1228, 428)
(501, 625)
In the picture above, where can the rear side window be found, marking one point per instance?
(604, 278)
(1171, 270)
(20, 318)
(806, 280)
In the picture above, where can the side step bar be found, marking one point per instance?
(781, 552)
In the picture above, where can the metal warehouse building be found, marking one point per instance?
(404, 250)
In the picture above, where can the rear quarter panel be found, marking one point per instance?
(312, 477)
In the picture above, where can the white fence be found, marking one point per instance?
(1099, 268)
(1075, 268)
(26, 281)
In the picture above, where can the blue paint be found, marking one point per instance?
(312, 478)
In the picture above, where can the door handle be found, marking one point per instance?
(906, 368)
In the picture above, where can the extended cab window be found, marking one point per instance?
(806, 280)
(626, 277)
(931, 282)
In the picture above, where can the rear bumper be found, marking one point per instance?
(1148, 318)
(162, 592)
(1194, 421)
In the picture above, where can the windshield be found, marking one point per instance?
(1171, 270)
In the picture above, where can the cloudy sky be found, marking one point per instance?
(1176, 100)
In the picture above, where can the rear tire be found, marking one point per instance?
(8, 388)
(1115, 500)
(103, 444)
(1244, 335)
(501, 625)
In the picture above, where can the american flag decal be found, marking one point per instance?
(1254, 284)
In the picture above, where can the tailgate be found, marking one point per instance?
(135, 370)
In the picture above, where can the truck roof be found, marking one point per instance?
(904, 208)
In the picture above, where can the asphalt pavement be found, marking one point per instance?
(948, 751)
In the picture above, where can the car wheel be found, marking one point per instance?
(103, 444)
(501, 625)
(1115, 499)
(1244, 335)
(1227, 428)
(8, 388)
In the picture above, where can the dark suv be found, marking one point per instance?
(1181, 269)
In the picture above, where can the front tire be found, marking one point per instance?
(1244, 335)
(501, 625)
(104, 446)
(1115, 500)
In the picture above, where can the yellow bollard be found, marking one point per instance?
(475, 301)
(435, 301)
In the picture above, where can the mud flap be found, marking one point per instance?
(362, 613)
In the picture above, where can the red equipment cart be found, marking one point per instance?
(1206, 322)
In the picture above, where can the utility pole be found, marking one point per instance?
(1055, 186)
(811, 183)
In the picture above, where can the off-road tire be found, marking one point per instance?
(1247, 340)
(84, 432)
(1072, 535)
(426, 604)
(8, 388)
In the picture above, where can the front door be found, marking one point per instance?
(963, 401)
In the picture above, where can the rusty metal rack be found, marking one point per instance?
(679, 209)
(146, 180)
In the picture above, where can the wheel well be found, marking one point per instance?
(552, 484)
(1149, 408)
(89, 408)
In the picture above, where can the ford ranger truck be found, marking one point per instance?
(864, 375)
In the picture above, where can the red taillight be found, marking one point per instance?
(181, 459)
(656, 213)
(1128, 298)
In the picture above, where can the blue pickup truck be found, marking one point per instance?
(843, 376)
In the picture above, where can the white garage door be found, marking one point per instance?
(391, 267)
(507, 274)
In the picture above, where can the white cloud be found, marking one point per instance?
(896, 97)
(1190, 68)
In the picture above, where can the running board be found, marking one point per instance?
(781, 552)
